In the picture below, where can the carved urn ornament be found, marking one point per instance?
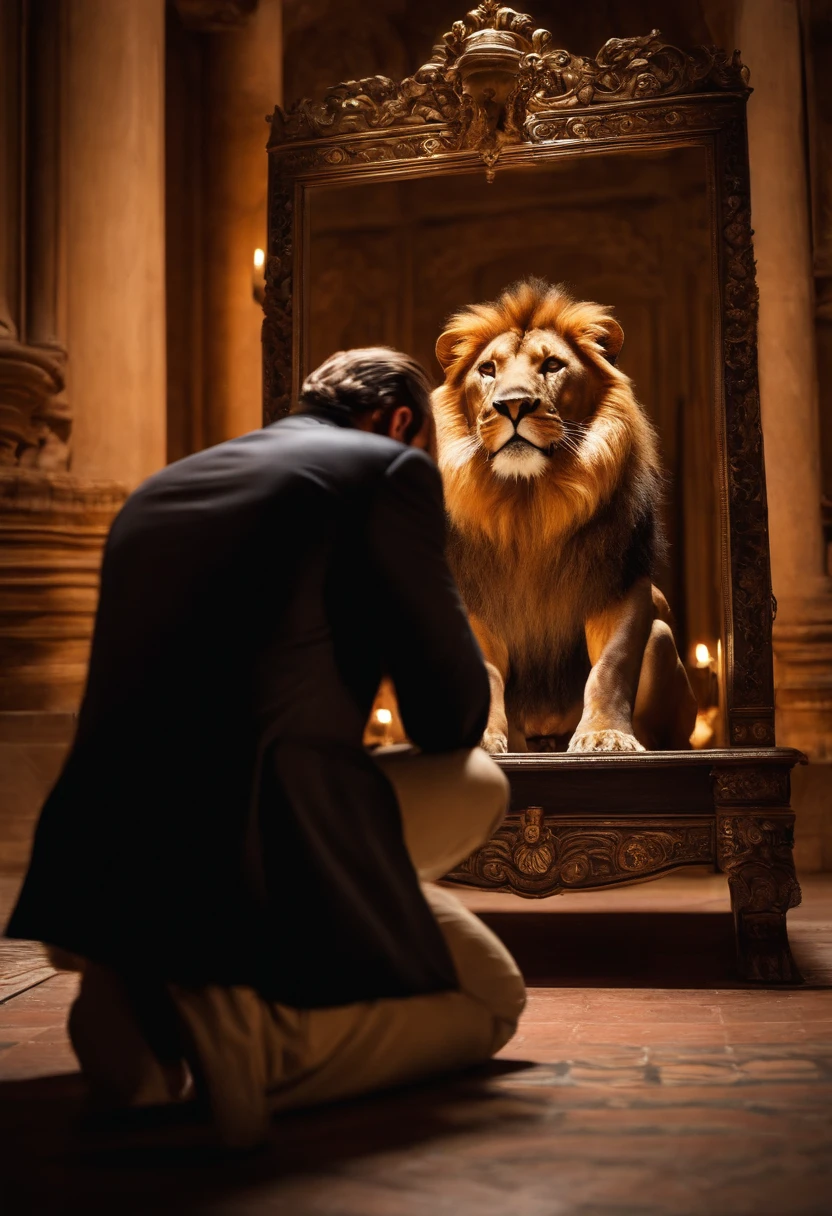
(494, 73)
(498, 93)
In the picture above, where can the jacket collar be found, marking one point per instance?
(322, 417)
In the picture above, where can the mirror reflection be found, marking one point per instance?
(561, 500)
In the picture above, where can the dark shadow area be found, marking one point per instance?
(59, 1159)
(637, 949)
(620, 949)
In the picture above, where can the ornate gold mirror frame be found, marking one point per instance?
(497, 93)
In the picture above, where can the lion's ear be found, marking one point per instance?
(612, 339)
(445, 348)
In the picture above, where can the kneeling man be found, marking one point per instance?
(239, 879)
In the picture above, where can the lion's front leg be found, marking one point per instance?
(495, 653)
(616, 640)
(495, 735)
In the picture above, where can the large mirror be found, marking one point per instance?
(623, 178)
(390, 260)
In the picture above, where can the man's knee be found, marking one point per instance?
(477, 795)
(487, 786)
(479, 792)
(451, 804)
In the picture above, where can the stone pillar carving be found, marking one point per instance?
(52, 530)
(769, 33)
(82, 358)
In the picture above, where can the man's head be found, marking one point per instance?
(374, 389)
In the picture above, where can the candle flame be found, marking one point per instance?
(259, 259)
(384, 717)
(703, 655)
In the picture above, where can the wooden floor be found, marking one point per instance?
(643, 1081)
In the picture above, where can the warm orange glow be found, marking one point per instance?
(259, 259)
(384, 717)
(703, 655)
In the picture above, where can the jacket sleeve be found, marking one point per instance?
(429, 650)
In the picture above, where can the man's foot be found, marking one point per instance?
(115, 1056)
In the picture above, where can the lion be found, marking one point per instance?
(553, 487)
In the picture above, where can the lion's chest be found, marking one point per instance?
(530, 597)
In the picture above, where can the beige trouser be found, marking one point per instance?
(251, 1056)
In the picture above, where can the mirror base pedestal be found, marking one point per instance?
(580, 822)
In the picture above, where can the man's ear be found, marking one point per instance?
(400, 421)
(612, 339)
(445, 349)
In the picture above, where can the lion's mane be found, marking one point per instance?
(535, 557)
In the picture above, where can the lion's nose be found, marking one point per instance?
(516, 408)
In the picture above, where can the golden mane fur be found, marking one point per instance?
(534, 556)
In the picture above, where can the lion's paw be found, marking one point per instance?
(495, 742)
(604, 741)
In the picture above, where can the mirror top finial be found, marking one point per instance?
(495, 71)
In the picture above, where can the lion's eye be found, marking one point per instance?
(487, 369)
(552, 364)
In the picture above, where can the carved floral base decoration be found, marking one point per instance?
(531, 856)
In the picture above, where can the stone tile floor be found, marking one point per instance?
(643, 1081)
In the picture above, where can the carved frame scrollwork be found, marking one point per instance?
(497, 93)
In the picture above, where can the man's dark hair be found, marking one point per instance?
(354, 382)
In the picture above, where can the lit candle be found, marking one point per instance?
(258, 278)
(705, 683)
(384, 717)
(703, 655)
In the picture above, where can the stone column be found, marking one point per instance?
(243, 75)
(82, 333)
(770, 36)
(114, 132)
(768, 31)
(82, 350)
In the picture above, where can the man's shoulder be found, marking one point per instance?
(305, 439)
(272, 461)
(306, 429)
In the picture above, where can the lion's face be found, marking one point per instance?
(534, 421)
(527, 396)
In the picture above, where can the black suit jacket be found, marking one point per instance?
(217, 819)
